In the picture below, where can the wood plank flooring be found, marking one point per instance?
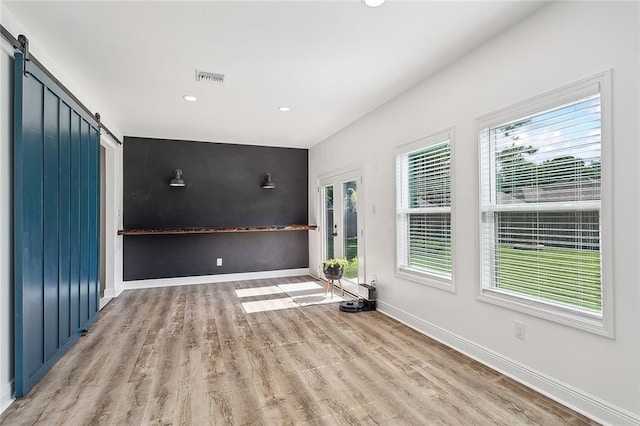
(191, 356)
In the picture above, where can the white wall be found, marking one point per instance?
(6, 238)
(559, 45)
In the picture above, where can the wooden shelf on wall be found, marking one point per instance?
(184, 231)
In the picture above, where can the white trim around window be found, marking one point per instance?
(546, 206)
(424, 211)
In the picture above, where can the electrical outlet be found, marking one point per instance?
(518, 330)
(219, 261)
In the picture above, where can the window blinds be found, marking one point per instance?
(540, 201)
(424, 209)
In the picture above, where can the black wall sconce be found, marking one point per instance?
(268, 184)
(177, 180)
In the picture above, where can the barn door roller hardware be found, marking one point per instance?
(23, 45)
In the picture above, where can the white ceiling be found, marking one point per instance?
(331, 62)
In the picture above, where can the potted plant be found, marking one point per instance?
(333, 269)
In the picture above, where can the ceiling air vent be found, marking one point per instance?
(211, 77)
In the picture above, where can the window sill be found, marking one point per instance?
(430, 280)
(585, 322)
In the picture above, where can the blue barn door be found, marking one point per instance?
(56, 222)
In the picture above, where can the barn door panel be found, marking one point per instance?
(56, 205)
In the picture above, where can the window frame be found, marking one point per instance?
(604, 325)
(430, 279)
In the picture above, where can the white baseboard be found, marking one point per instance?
(6, 396)
(110, 293)
(207, 279)
(580, 401)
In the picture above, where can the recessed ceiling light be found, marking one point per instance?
(284, 109)
(372, 3)
(189, 98)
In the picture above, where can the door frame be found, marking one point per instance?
(110, 213)
(338, 177)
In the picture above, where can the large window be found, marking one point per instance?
(541, 206)
(423, 179)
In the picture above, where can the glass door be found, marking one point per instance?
(342, 232)
(329, 230)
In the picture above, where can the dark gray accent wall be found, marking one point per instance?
(223, 189)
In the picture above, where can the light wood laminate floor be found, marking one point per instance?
(190, 355)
